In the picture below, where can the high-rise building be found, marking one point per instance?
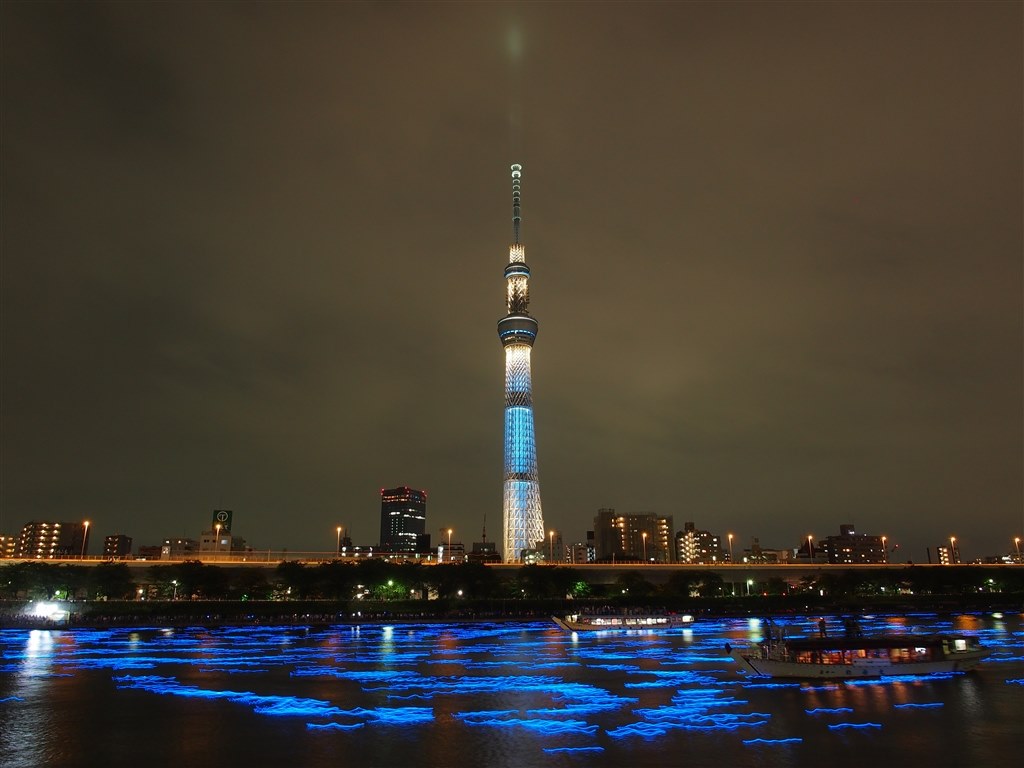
(522, 518)
(117, 545)
(852, 547)
(403, 518)
(45, 539)
(8, 546)
(644, 537)
(948, 555)
(696, 546)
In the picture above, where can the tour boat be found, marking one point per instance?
(582, 622)
(861, 657)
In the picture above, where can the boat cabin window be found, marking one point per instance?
(909, 654)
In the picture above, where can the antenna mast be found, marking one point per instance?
(517, 174)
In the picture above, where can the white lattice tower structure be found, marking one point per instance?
(522, 519)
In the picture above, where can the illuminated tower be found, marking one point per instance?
(522, 519)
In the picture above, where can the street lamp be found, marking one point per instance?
(644, 537)
(810, 548)
(952, 550)
(216, 540)
(339, 542)
(449, 545)
(175, 583)
(1016, 543)
(551, 545)
(731, 561)
(885, 552)
(85, 536)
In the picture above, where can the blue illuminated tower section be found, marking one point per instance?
(523, 521)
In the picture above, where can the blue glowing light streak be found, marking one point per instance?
(397, 715)
(486, 713)
(828, 711)
(481, 664)
(280, 706)
(793, 740)
(896, 679)
(615, 667)
(335, 726)
(670, 679)
(642, 730)
(546, 727)
(692, 710)
(773, 685)
(589, 708)
(290, 706)
(694, 658)
(393, 672)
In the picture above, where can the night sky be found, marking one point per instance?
(252, 258)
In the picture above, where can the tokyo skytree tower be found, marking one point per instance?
(522, 519)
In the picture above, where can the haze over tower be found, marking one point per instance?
(523, 521)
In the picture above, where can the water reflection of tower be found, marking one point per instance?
(523, 521)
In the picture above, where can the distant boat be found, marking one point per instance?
(860, 657)
(584, 622)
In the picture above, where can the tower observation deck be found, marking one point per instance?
(523, 521)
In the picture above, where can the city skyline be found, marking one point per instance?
(638, 537)
(778, 250)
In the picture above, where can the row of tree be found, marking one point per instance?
(379, 580)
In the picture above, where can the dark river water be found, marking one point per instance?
(514, 694)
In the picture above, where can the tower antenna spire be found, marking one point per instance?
(522, 518)
(517, 175)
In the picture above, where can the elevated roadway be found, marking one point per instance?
(743, 576)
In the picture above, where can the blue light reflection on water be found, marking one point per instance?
(520, 694)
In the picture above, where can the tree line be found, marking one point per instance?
(378, 580)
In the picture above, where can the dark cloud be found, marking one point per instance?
(252, 254)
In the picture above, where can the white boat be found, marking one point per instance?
(584, 622)
(861, 657)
